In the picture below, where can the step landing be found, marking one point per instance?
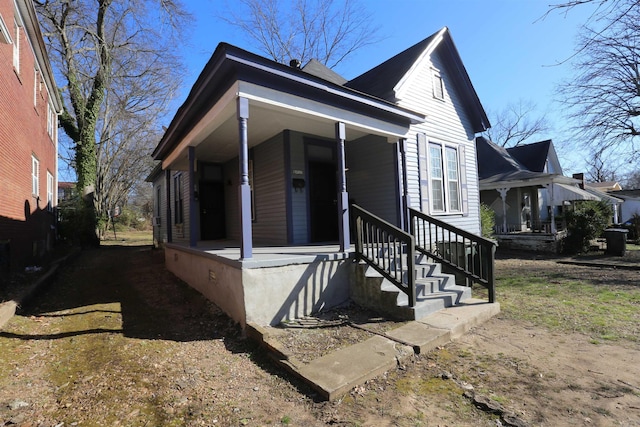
(333, 375)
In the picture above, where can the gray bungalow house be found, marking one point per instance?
(260, 167)
(525, 188)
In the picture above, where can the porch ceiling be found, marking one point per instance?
(215, 137)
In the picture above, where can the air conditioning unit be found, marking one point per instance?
(157, 221)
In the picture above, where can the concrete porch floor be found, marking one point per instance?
(228, 251)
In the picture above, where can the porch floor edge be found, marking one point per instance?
(265, 257)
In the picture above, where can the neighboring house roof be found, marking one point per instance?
(65, 184)
(605, 186)
(627, 194)
(602, 195)
(385, 80)
(535, 156)
(497, 167)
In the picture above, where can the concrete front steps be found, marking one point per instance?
(435, 291)
(336, 374)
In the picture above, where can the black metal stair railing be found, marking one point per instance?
(464, 253)
(386, 248)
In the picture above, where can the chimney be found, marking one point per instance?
(580, 177)
(294, 63)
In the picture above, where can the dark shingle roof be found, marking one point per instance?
(380, 81)
(318, 69)
(495, 160)
(532, 156)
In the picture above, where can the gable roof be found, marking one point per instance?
(383, 80)
(497, 166)
(532, 156)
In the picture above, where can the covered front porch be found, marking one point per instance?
(258, 169)
(529, 211)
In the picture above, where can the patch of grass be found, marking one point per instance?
(550, 300)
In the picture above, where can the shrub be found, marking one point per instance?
(487, 220)
(585, 222)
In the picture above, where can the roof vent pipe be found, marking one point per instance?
(294, 63)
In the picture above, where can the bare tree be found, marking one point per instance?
(515, 124)
(325, 30)
(600, 167)
(603, 98)
(115, 63)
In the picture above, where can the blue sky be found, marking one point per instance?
(509, 50)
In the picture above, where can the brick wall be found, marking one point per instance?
(24, 219)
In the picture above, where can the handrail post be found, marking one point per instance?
(490, 274)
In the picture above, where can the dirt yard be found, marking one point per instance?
(117, 340)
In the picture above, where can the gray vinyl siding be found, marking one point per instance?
(299, 219)
(180, 232)
(371, 177)
(447, 123)
(160, 233)
(269, 225)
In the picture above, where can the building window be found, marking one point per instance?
(178, 200)
(35, 175)
(49, 192)
(16, 47)
(438, 86)
(444, 179)
(51, 122)
(35, 87)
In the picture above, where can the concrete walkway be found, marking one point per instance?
(335, 374)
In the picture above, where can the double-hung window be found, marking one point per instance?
(35, 175)
(178, 200)
(49, 191)
(16, 46)
(444, 177)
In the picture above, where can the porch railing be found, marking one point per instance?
(535, 226)
(388, 249)
(465, 253)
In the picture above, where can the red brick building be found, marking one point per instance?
(29, 106)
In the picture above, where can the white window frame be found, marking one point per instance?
(16, 47)
(438, 85)
(52, 124)
(50, 183)
(35, 176)
(444, 175)
(35, 86)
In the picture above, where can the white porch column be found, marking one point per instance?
(503, 195)
(246, 237)
(343, 195)
(554, 229)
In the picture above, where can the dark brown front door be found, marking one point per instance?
(212, 219)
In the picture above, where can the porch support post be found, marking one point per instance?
(503, 195)
(404, 224)
(193, 229)
(554, 229)
(167, 185)
(343, 195)
(246, 238)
